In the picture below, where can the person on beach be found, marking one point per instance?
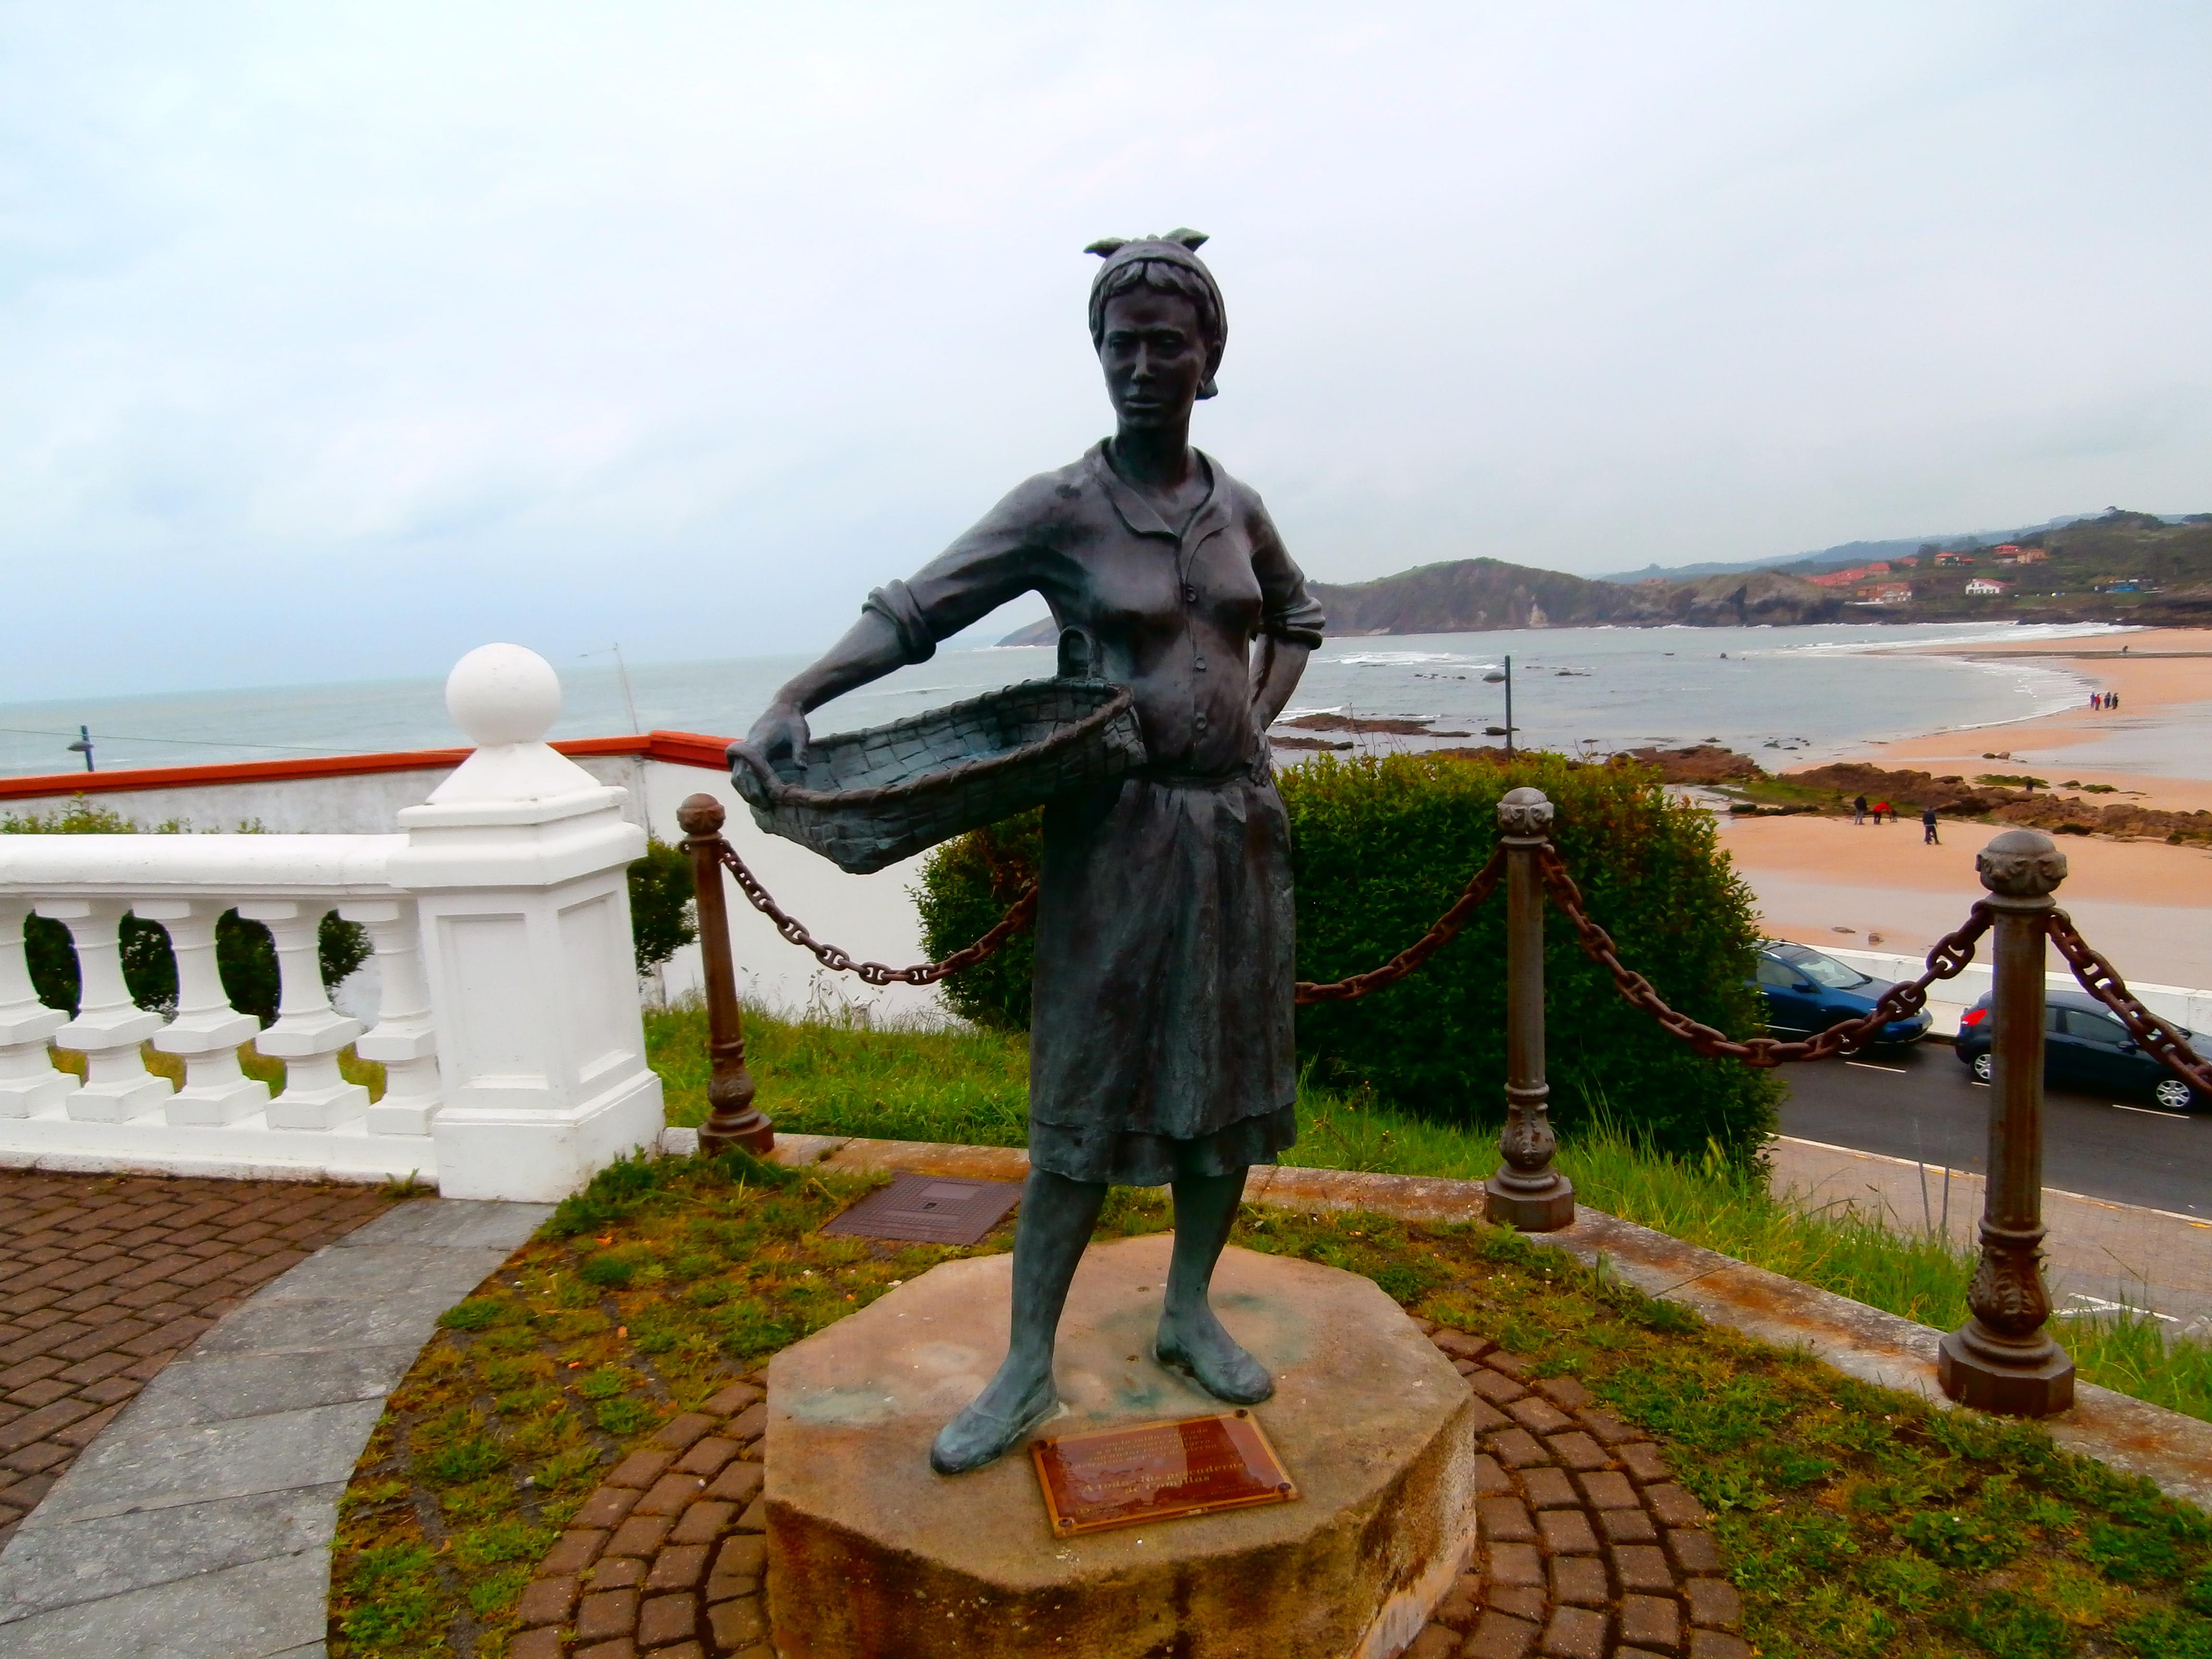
(1162, 1045)
(1858, 811)
(1928, 827)
(1880, 807)
(2113, 703)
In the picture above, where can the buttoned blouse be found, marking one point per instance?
(1171, 615)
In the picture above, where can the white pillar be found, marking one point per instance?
(403, 1040)
(207, 1029)
(518, 863)
(308, 1032)
(108, 1027)
(29, 1081)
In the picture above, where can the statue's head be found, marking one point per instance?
(1159, 325)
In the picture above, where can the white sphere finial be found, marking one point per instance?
(503, 694)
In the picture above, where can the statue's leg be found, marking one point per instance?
(1057, 1216)
(1191, 1338)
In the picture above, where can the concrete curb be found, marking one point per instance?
(2172, 1450)
(198, 1524)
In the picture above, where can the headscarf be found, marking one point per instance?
(1178, 248)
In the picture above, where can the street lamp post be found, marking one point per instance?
(83, 745)
(1504, 675)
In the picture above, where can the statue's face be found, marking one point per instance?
(1154, 357)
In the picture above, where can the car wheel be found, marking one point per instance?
(2172, 1094)
(1983, 1067)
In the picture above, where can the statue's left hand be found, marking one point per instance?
(781, 731)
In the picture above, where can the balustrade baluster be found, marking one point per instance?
(108, 1027)
(308, 1032)
(405, 1039)
(207, 1029)
(29, 1080)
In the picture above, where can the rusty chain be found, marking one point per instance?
(1017, 916)
(1023, 911)
(1949, 958)
(1480, 886)
(2102, 980)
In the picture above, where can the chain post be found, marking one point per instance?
(733, 1120)
(2002, 1359)
(1527, 1191)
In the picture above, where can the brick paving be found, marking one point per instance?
(1588, 1548)
(104, 1280)
(667, 1557)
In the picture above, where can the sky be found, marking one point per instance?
(335, 341)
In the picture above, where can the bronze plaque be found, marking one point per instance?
(929, 1210)
(1158, 1471)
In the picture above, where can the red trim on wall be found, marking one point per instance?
(676, 748)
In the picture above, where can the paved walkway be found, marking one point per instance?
(2101, 1255)
(104, 1280)
(198, 1525)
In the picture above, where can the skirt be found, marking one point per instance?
(1162, 1039)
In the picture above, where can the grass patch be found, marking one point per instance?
(966, 1084)
(1859, 1523)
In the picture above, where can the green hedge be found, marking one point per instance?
(1381, 848)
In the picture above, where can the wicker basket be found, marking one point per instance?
(865, 799)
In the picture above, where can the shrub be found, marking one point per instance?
(966, 886)
(663, 916)
(1381, 848)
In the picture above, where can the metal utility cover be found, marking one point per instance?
(929, 1210)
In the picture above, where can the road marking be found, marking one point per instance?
(2151, 1111)
(1869, 1065)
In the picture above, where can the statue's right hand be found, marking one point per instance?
(781, 731)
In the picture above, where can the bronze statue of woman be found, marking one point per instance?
(1161, 1043)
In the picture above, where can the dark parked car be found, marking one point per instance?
(1807, 992)
(2083, 1045)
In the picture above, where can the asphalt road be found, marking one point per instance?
(1920, 1103)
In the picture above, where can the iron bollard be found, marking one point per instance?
(733, 1120)
(1528, 1191)
(2002, 1359)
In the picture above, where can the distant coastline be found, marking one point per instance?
(2118, 567)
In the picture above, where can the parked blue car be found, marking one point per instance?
(1807, 992)
(2085, 1046)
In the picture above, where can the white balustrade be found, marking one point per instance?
(507, 1021)
(207, 1031)
(308, 1032)
(405, 1039)
(29, 1080)
(109, 1026)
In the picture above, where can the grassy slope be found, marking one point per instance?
(970, 1086)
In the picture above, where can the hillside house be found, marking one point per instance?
(1954, 558)
(1886, 593)
(1985, 587)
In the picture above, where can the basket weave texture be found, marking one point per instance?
(865, 799)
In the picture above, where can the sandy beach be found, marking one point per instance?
(2146, 905)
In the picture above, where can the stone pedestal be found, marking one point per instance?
(873, 1555)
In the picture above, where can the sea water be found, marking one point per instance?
(1786, 696)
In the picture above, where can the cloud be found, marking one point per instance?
(333, 342)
